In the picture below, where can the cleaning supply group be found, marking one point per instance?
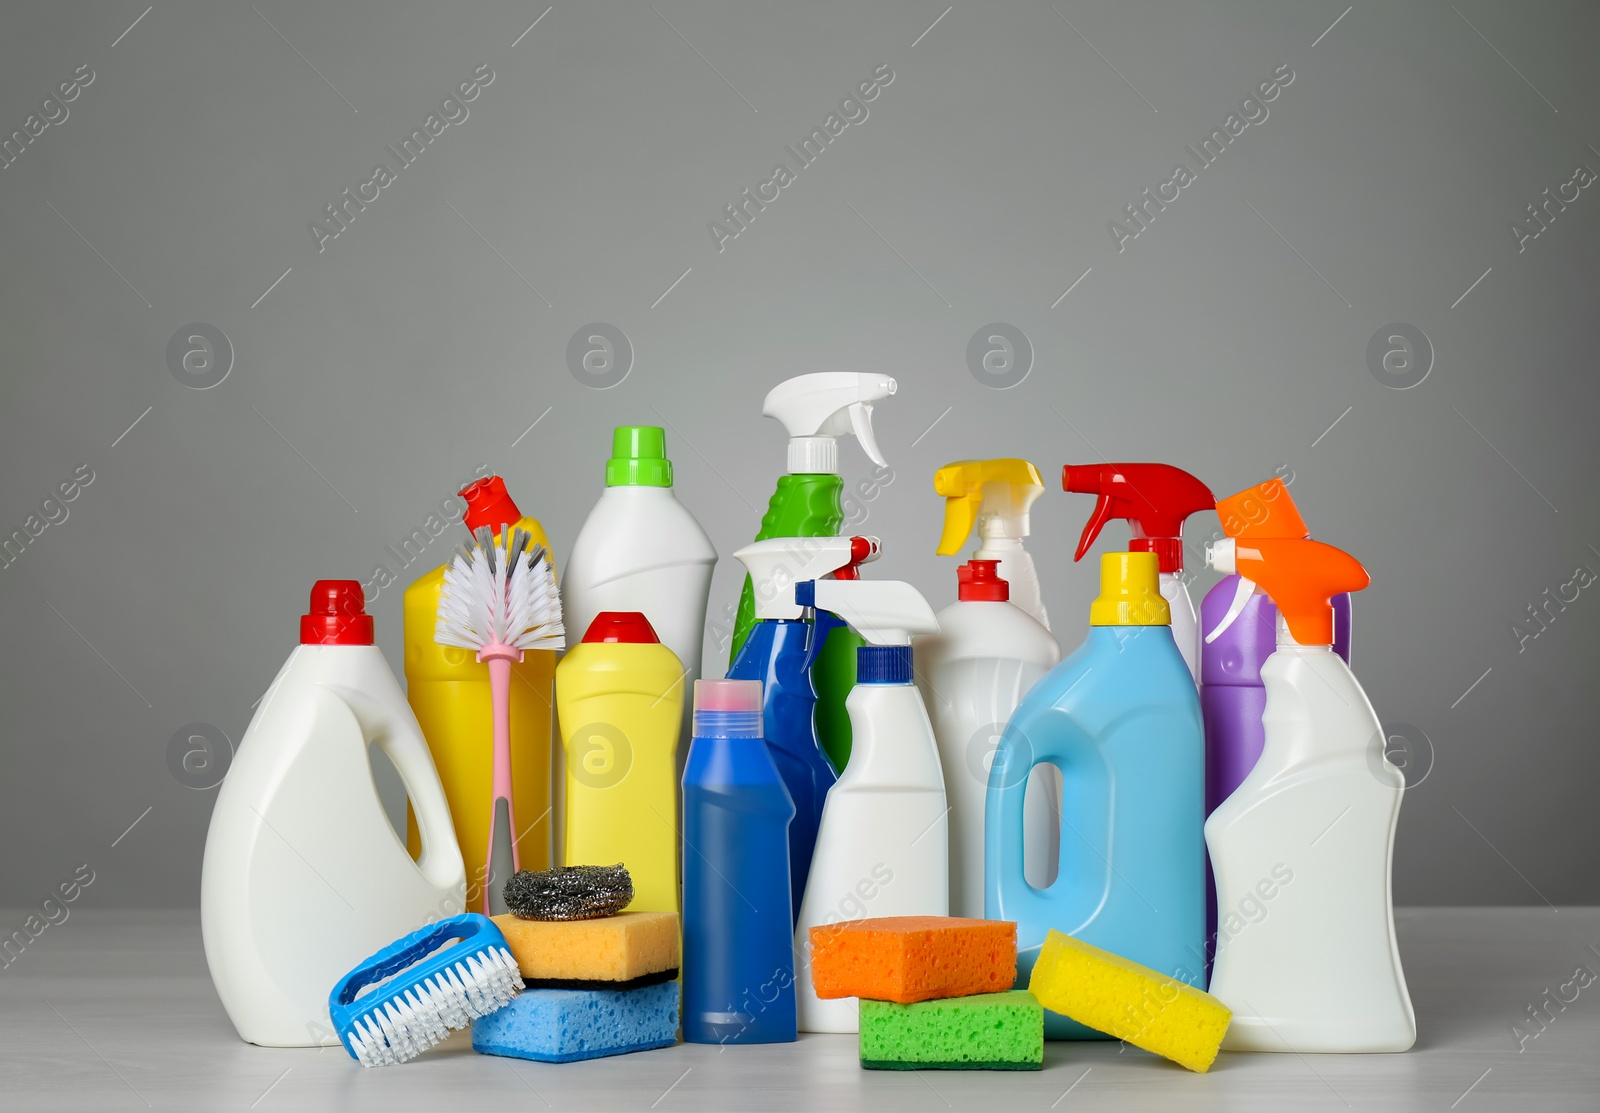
(928, 829)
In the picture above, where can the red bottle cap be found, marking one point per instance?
(488, 504)
(980, 580)
(338, 615)
(626, 627)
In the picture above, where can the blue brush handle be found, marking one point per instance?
(474, 934)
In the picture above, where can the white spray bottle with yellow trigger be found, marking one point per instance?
(883, 848)
(992, 497)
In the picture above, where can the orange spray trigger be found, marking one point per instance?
(1299, 575)
(1265, 510)
(1153, 498)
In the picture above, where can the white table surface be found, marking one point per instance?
(115, 1010)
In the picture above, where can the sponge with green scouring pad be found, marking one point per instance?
(986, 1031)
(1127, 1001)
(913, 958)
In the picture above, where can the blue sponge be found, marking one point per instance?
(565, 1025)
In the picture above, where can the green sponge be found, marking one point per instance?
(988, 1031)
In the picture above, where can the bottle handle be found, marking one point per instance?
(1008, 895)
(394, 730)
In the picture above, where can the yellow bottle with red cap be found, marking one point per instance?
(620, 696)
(449, 692)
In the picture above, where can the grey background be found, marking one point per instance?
(1230, 338)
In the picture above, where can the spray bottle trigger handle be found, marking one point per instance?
(1241, 596)
(861, 426)
(1091, 530)
(960, 515)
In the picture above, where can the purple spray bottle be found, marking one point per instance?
(1239, 631)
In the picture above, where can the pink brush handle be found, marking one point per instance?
(499, 659)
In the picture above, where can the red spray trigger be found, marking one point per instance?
(1153, 498)
(862, 550)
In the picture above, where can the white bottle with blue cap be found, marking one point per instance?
(883, 848)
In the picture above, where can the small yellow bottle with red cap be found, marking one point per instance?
(619, 693)
(449, 692)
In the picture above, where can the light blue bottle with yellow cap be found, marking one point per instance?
(1120, 718)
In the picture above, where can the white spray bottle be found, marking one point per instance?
(992, 497)
(816, 410)
(883, 845)
(1308, 836)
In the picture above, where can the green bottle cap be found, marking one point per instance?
(639, 457)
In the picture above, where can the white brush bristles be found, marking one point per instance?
(405, 1023)
(502, 595)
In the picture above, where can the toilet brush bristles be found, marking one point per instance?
(500, 595)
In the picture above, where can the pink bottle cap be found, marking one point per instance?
(727, 695)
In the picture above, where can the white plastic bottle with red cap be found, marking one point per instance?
(303, 875)
(973, 673)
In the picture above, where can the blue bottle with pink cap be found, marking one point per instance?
(738, 958)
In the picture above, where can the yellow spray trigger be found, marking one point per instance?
(978, 490)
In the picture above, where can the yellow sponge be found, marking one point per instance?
(1128, 1001)
(624, 948)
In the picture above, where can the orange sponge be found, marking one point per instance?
(913, 958)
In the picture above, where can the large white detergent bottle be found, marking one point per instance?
(883, 845)
(973, 673)
(304, 876)
(1302, 849)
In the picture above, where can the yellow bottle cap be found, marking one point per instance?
(1129, 592)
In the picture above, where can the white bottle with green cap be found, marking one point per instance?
(641, 550)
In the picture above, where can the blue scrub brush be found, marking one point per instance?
(410, 995)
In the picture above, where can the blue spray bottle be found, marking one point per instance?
(738, 956)
(1121, 719)
(780, 652)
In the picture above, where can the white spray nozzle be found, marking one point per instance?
(1241, 596)
(778, 563)
(816, 409)
(883, 612)
(1222, 556)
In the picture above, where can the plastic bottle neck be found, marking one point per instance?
(883, 665)
(999, 546)
(1287, 644)
(813, 456)
(727, 724)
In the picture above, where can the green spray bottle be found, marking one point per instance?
(816, 410)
